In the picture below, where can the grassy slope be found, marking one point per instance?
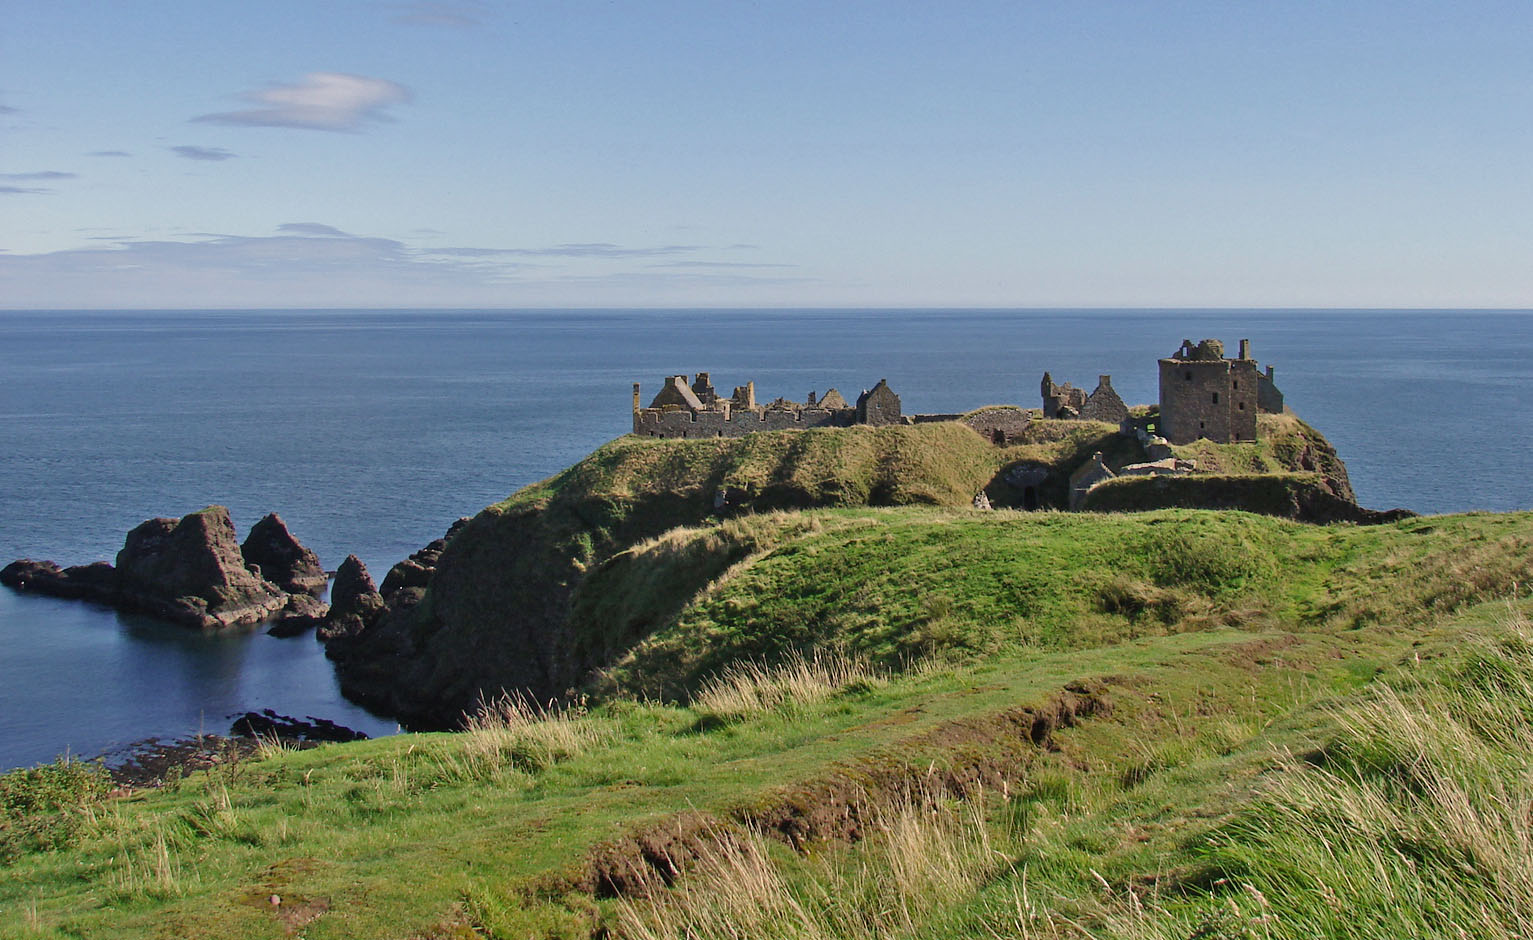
(505, 608)
(1284, 444)
(496, 614)
(422, 835)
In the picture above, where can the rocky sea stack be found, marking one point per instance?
(192, 571)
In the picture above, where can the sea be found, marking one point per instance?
(371, 431)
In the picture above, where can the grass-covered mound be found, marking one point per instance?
(497, 613)
(896, 586)
(1127, 776)
(1304, 496)
(564, 577)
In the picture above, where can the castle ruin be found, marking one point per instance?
(1071, 403)
(1205, 395)
(697, 410)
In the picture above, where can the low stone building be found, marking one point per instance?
(693, 410)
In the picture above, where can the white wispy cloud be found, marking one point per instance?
(23, 191)
(577, 250)
(39, 175)
(109, 153)
(314, 264)
(313, 228)
(719, 264)
(322, 101)
(208, 154)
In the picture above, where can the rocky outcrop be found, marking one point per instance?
(282, 559)
(355, 604)
(191, 571)
(93, 582)
(269, 725)
(370, 658)
(301, 612)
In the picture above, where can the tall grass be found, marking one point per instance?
(1415, 820)
(510, 734)
(924, 854)
(746, 689)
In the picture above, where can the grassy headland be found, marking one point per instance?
(524, 595)
(906, 719)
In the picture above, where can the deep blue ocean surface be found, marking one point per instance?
(370, 432)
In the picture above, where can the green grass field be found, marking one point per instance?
(836, 715)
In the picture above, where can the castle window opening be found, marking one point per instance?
(1189, 376)
(1241, 406)
(1216, 398)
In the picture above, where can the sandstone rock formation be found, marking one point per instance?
(192, 571)
(283, 560)
(355, 603)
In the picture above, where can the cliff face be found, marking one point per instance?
(513, 602)
(496, 614)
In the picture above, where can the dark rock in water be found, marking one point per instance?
(408, 573)
(96, 581)
(355, 604)
(190, 571)
(282, 559)
(93, 582)
(301, 612)
(268, 724)
(370, 662)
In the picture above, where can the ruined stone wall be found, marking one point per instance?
(1104, 404)
(1001, 426)
(737, 423)
(1244, 386)
(1268, 399)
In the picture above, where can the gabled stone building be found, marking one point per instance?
(1205, 395)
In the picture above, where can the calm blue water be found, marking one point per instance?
(370, 432)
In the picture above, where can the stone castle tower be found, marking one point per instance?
(1205, 395)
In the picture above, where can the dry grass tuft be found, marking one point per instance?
(923, 854)
(1413, 820)
(743, 690)
(511, 735)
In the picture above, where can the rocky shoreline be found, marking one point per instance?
(156, 762)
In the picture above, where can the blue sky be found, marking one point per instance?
(358, 153)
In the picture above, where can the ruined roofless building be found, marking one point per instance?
(696, 410)
(1205, 395)
(1067, 401)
